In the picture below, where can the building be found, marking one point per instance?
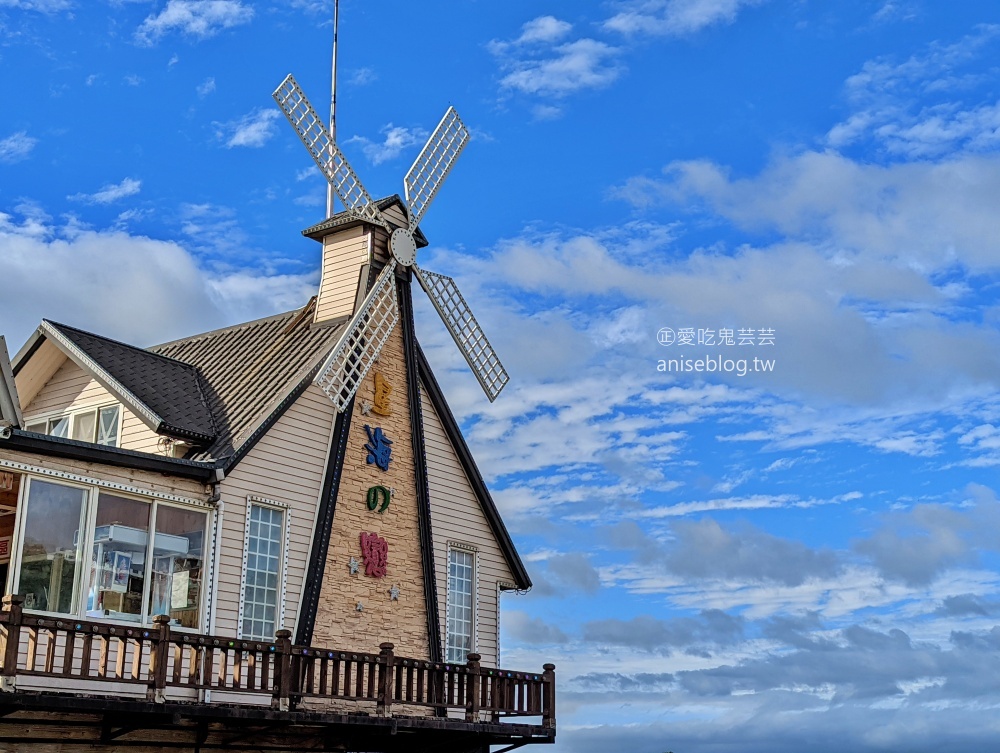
(201, 553)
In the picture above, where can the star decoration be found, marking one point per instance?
(360, 607)
(353, 565)
(366, 408)
(394, 593)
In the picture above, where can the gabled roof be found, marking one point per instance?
(10, 406)
(167, 394)
(249, 370)
(219, 390)
(347, 218)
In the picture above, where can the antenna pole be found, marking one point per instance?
(333, 101)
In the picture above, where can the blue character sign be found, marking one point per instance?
(379, 448)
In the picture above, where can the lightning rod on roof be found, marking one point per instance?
(333, 101)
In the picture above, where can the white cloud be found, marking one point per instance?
(16, 147)
(676, 17)
(929, 105)
(54, 271)
(133, 80)
(396, 139)
(206, 87)
(565, 69)
(197, 18)
(252, 130)
(536, 62)
(110, 193)
(362, 77)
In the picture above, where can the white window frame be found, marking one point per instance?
(254, 500)
(79, 410)
(93, 487)
(474, 551)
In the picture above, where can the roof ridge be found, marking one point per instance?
(220, 330)
(136, 348)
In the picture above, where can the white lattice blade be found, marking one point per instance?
(325, 152)
(362, 341)
(433, 164)
(465, 331)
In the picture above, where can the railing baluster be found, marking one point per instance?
(86, 654)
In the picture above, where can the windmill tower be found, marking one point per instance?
(369, 260)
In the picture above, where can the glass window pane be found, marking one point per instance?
(461, 592)
(178, 565)
(121, 539)
(84, 425)
(108, 426)
(50, 555)
(39, 427)
(59, 427)
(261, 589)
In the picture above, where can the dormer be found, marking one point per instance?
(350, 245)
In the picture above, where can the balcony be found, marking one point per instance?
(126, 685)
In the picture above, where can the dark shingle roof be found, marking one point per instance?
(249, 369)
(172, 390)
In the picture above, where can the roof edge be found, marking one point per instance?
(10, 404)
(146, 414)
(347, 219)
(71, 449)
(517, 568)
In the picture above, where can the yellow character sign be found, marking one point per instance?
(382, 390)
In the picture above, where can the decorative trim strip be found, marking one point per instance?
(37, 471)
(410, 350)
(253, 499)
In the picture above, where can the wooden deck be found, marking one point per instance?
(92, 670)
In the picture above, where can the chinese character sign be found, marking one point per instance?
(375, 551)
(378, 498)
(379, 448)
(382, 390)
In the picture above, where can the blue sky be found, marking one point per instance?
(799, 557)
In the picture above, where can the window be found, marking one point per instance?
(262, 607)
(130, 575)
(461, 604)
(97, 425)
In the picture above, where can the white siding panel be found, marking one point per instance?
(457, 516)
(287, 465)
(343, 254)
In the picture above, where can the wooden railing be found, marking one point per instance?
(160, 658)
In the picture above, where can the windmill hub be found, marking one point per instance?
(403, 246)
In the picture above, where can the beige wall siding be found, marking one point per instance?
(456, 516)
(395, 215)
(36, 371)
(71, 388)
(343, 254)
(287, 465)
(403, 622)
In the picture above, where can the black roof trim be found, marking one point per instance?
(472, 471)
(71, 449)
(309, 600)
(420, 469)
(347, 219)
(231, 461)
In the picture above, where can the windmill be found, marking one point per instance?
(373, 322)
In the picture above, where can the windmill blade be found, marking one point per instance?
(362, 341)
(433, 164)
(325, 152)
(465, 330)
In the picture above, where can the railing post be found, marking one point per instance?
(386, 679)
(549, 696)
(159, 650)
(13, 605)
(472, 689)
(282, 671)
